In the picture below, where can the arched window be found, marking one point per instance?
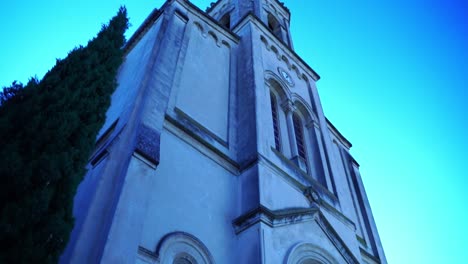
(225, 21)
(184, 259)
(299, 133)
(274, 26)
(275, 118)
(307, 253)
(182, 248)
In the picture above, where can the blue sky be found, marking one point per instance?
(394, 82)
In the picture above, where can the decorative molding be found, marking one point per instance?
(369, 257)
(188, 122)
(312, 195)
(206, 32)
(175, 245)
(284, 58)
(148, 254)
(286, 77)
(289, 216)
(274, 218)
(202, 142)
(335, 239)
(288, 106)
(306, 252)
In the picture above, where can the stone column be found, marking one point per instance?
(289, 108)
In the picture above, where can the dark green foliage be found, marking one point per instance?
(47, 132)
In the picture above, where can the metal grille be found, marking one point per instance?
(299, 137)
(274, 113)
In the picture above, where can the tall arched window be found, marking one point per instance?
(299, 133)
(225, 21)
(274, 26)
(274, 115)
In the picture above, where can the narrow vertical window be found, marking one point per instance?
(225, 21)
(299, 131)
(274, 26)
(274, 114)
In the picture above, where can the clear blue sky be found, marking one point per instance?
(394, 82)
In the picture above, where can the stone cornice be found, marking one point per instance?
(156, 13)
(212, 5)
(336, 240)
(338, 134)
(273, 218)
(209, 20)
(289, 216)
(367, 255)
(143, 28)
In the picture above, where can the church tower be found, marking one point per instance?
(216, 149)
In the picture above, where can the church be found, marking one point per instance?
(216, 149)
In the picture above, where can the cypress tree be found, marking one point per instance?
(47, 132)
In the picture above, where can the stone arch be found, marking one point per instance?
(278, 94)
(213, 35)
(276, 83)
(274, 25)
(308, 253)
(285, 59)
(265, 41)
(304, 108)
(181, 246)
(225, 43)
(275, 50)
(199, 26)
(296, 70)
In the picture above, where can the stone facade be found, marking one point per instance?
(216, 150)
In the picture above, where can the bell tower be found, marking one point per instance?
(216, 149)
(273, 13)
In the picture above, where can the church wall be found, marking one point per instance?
(277, 193)
(192, 193)
(279, 242)
(345, 229)
(217, 159)
(204, 83)
(341, 181)
(130, 76)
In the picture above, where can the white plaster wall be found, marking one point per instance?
(342, 187)
(280, 240)
(130, 76)
(193, 194)
(276, 193)
(204, 84)
(346, 232)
